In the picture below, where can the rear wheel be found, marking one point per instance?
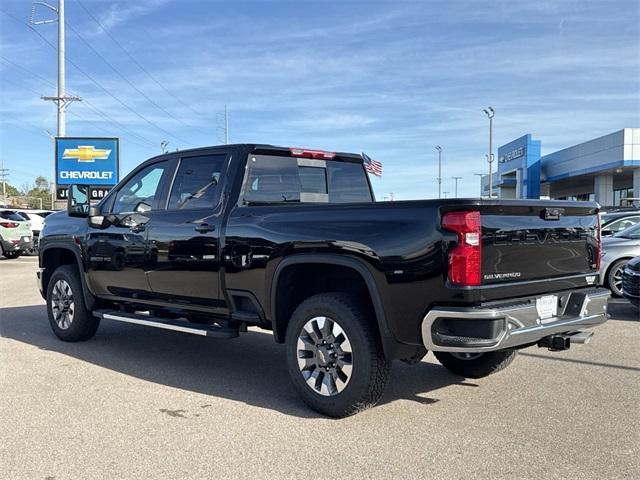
(476, 365)
(614, 277)
(68, 315)
(334, 356)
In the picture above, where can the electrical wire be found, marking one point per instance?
(130, 83)
(133, 59)
(93, 80)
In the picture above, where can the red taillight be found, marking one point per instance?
(599, 251)
(465, 259)
(9, 224)
(317, 154)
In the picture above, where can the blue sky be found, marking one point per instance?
(392, 79)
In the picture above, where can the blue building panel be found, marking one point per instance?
(522, 155)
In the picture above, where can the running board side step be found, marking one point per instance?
(212, 331)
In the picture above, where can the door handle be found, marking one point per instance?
(205, 227)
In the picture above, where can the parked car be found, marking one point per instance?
(210, 241)
(15, 234)
(617, 250)
(631, 282)
(615, 222)
(36, 218)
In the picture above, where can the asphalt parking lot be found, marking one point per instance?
(139, 403)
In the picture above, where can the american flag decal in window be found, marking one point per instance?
(374, 167)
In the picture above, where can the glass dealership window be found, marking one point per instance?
(620, 195)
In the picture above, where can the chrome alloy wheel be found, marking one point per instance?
(466, 355)
(617, 279)
(324, 356)
(62, 305)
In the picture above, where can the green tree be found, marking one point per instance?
(10, 189)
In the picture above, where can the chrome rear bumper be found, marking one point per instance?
(511, 325)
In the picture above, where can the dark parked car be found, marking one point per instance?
(209, 241)
(631, 282)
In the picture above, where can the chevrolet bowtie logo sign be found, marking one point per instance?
(86, 153)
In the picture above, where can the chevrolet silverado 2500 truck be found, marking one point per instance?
(212, 240)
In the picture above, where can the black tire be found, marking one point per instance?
(82, 324)
(369, 369)
(12, 255)
(476, 366)
(612, 284)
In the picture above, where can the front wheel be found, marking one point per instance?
(334, 356)
(476, 365)
(69, 317)
(12, 255)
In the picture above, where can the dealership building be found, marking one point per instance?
(604, 169)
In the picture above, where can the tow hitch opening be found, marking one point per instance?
(562, 341)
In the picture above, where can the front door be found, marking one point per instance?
(117, 255)
(184, 240)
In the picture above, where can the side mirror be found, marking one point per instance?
(78, 201)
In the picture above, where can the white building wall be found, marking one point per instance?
(593, 154)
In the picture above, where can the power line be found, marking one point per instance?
(132, 58)
(86, 102)
(93, 80)
(131, 84)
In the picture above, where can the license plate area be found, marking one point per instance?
(547, 307)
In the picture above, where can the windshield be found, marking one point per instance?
(631, 232)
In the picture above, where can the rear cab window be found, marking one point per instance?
(11, 215)
(274, 179)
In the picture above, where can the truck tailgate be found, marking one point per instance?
(529, 242)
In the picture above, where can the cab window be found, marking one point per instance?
(139, 193)
(196, 182)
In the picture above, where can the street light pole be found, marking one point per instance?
(439, 149)
(456, 190)
(490, 112)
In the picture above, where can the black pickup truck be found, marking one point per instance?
(210, 241)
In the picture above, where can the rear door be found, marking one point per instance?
(183, 265)
(537, 242)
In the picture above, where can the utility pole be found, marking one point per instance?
(61, 99)
(480, 175)
(163, 146)
(4, 174)
(456, 190)
(490, 112)
(439, 149)
(445, 194)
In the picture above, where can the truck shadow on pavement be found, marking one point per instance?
(249, 369)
